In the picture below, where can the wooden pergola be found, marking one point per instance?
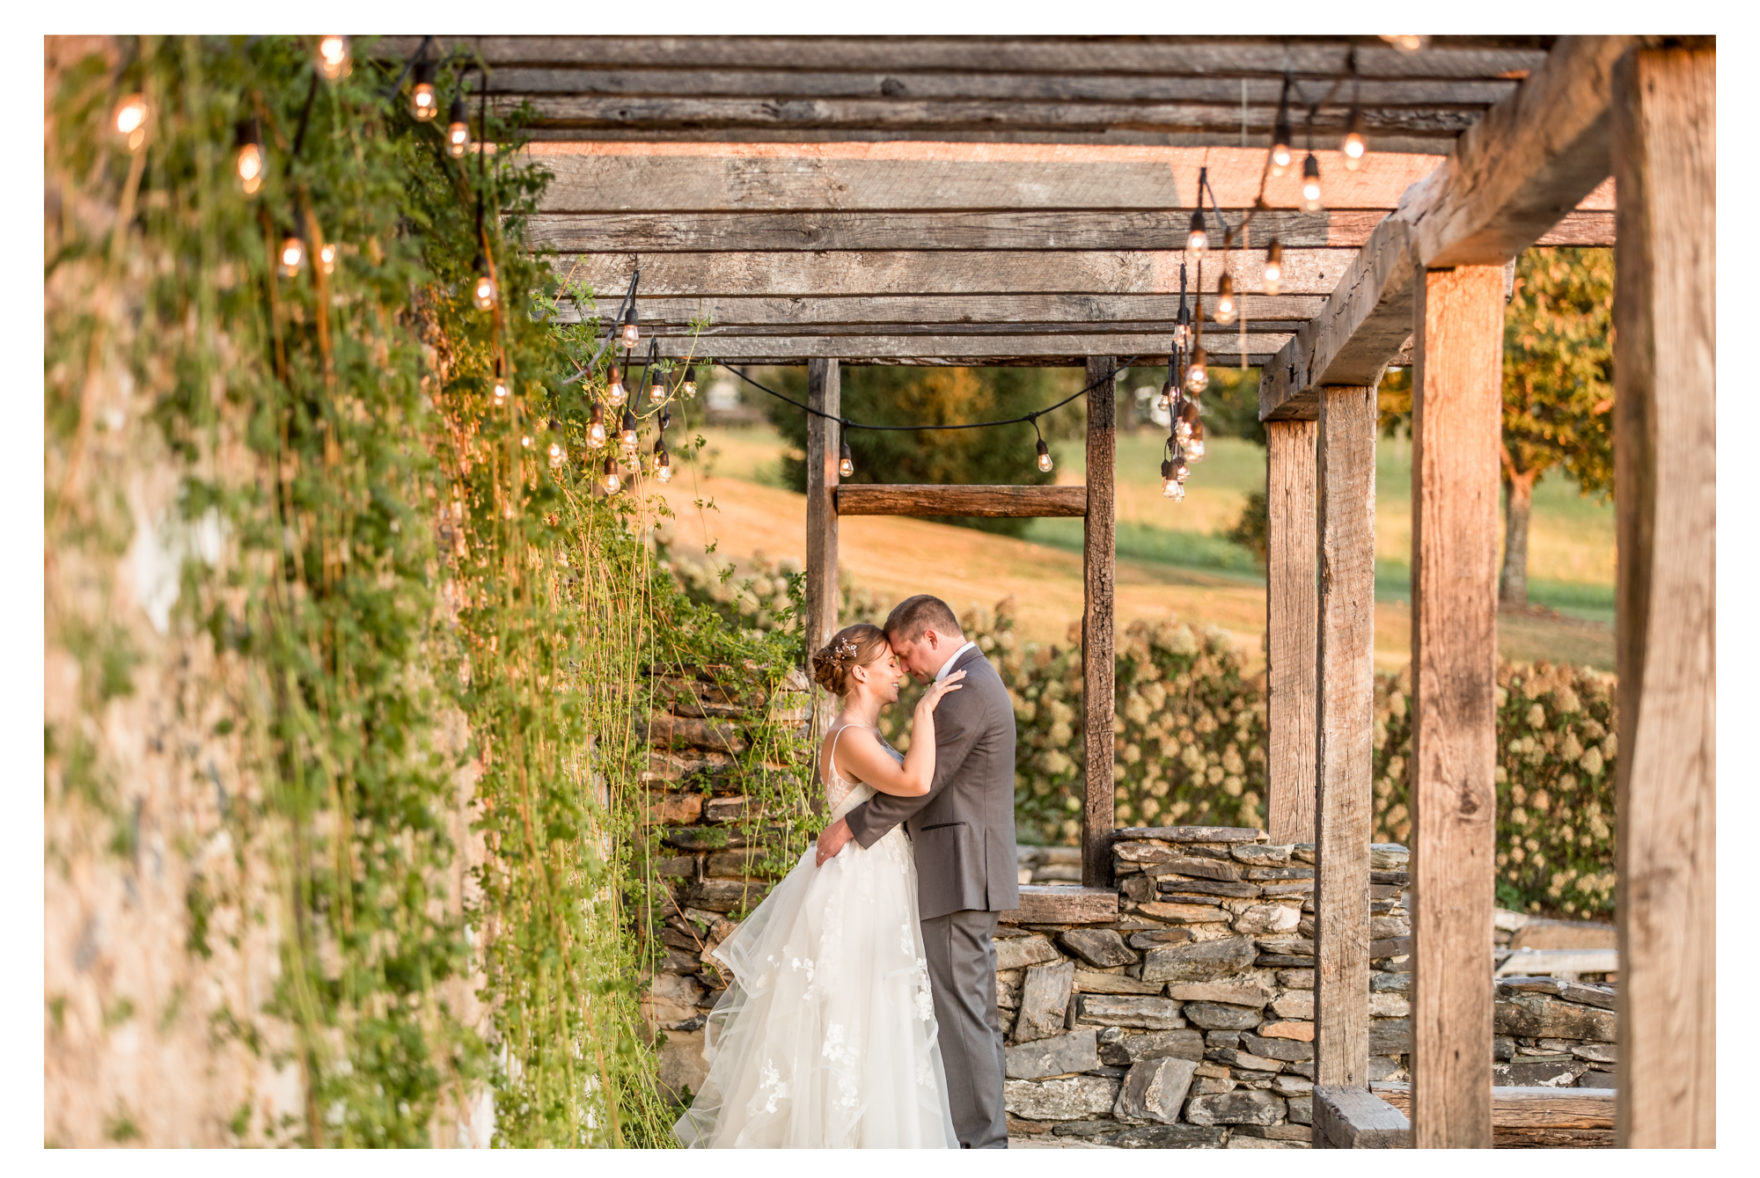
(971, 201)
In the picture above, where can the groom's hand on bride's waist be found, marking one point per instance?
(832, 840)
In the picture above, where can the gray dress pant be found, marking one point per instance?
(962, 978)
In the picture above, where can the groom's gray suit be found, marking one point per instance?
(963, 834)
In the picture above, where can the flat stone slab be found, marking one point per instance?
(1129, 1010)
(1201, 961)
(1155, 1090)
(1063, 1055)
(1192, 834)
(1248, 1107)
(1098, 947)
(1073, 1098)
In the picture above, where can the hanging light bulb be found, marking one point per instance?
(1170, 486)
(1225, 306)
(657, 391)
(662, 461)
(130, 120)
(596, 428)
(247, 159)
(627, 436)
(458, 129)
(1188, 424)
(1311, 184)
(335, 59)
(483, 286)
(1197, 241)
(1273, 266)
(1197, 373)
(617, 394)
(558, 455)
(1281, 156)
(688, 387)
(526, 441)
(1044, 456)
(1194, 443)
(631, 333)
(1165, 401)
(501, 389)
(611, 481)
(1355, 147)
(846, 466)
(1178, 468)
(423, 103)
(327, 258)
(293, 254)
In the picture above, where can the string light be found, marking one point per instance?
(335, 58)
(1281, 135)
(1225, 305)
(1311, 183)
(631, 334)
(1273, 266)
(1182, 328)
(1178, 469)
(247, 159)
(617, 394)
(327, 258)
(130, 120)
(1171, 487)
(501, 390)
(662, 461)
(688, 387)
(526, 441)
(627, 436)
(458, 130)
(1193, 444)
(1197, 241)
(423, 103)
(657, 390)
(1165, 401)
(596, 428)
(293, 253)
(483, 288)
(558, 455)
(1198, 372)
(846, 465)
(1188, 426)
(1040, 448)
(1355, 146)
(611, 481)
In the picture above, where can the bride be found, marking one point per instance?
(825, 1037)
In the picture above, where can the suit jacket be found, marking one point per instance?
(963, 828)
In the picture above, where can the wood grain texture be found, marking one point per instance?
(1044, 349)
(984, 502)
(1345, 717)
(1665, 313)
(1355, 1118)
(1099, 673)
(1527, 1118)
(1061, 904)
(1291, 621)
(1457, 414)
(1512, 177)
(824, 393)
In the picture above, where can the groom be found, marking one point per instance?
(963, 833)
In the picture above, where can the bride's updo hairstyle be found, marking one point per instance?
(851, 647)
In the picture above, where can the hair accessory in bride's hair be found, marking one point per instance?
(844, 651)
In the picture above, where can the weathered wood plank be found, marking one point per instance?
(1456, 57)
(985, 502)
(1665, 364)
(1099, 673)
(1525, 1118)
(824, 393)
(1457, 414)
(1043, 349)
(1058, 904)
(1345, 716)
(939, 314)
(1291, 621)
(1355, 1118)
(604, 175)
(1032, 229)
(940, 272)
(1511, 178)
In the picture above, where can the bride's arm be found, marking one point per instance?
(867, 761)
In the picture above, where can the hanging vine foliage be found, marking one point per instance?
(411, 583)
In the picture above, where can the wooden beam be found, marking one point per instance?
(1345, 716)
(1529, 1117)
(1512, 177)
(852, 176)
(1099, 672)
(1457, 414)
(1062, 904)
(982, 502)
(969, 350)
(824, 441)
(1291, 619)
(937, 272)
(1665, 448)
(1355, 1118)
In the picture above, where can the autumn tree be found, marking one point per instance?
(1557, 390)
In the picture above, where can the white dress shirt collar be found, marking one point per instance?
(947, 667)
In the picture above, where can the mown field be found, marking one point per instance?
(1172, 556)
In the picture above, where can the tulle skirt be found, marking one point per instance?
(825, 1037)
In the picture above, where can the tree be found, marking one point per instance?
(1557, 390)
(900, 395)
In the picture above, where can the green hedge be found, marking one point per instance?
(1190, 738)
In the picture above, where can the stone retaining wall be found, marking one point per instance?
(1187, 1021)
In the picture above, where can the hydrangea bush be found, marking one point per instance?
(1189, 737)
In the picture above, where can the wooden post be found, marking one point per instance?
(824, 440)
(1457, 395)
(1098, 670)
(1665, 452)
(1344, 748)
(1291, 612)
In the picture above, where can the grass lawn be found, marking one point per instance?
(1171, 555)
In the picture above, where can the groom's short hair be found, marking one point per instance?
(910, 617)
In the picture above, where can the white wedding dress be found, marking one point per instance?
(825, 1037)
